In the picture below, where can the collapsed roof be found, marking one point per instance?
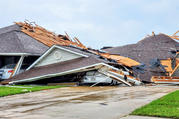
(152, 47)
(72, 60)
(44, 71)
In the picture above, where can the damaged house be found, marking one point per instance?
(157, 52)
(61, 61)
(69, 60)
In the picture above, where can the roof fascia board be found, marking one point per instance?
(64, 73)
(14, 54)
(57, 46)
(49, 50)
(110, 66)
(57, 74)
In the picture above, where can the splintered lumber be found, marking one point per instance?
(46, 37)
(168, 65)
(174, 36)
(117, 78)
(120, 59)
(165, 80)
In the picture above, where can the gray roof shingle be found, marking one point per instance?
(158, 46)
(12, 40)
(56, 68)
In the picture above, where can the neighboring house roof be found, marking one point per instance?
(12, 40)
(57, 69)
(151, 47)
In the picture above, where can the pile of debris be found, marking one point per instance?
(69, 57)
(157, 52)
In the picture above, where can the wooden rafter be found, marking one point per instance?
(46, 37)
(175, 36)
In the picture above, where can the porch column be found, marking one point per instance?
(18, 66)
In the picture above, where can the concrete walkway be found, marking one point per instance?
(81, 102)
(141, 117)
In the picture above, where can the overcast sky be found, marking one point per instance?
(96, 23)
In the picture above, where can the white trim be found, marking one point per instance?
(18, 66)
(70, 51)
(158, 82)
(58, 74)
(14, 54)
(134, 81)
(110, 66)
(49, 50)
(115, 77)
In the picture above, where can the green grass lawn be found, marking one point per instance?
(167, 106)
(12, 90)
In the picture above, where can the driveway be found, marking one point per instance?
(80, 102)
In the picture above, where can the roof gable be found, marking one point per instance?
(56, 54)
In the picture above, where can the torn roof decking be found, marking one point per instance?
(56, 69)
(13, 41)
(46, 37)
(151, 47)
(49, 38)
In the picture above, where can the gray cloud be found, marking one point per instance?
(96, 23)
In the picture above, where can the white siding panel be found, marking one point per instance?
(57, 55)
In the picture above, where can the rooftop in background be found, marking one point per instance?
(156, 46)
